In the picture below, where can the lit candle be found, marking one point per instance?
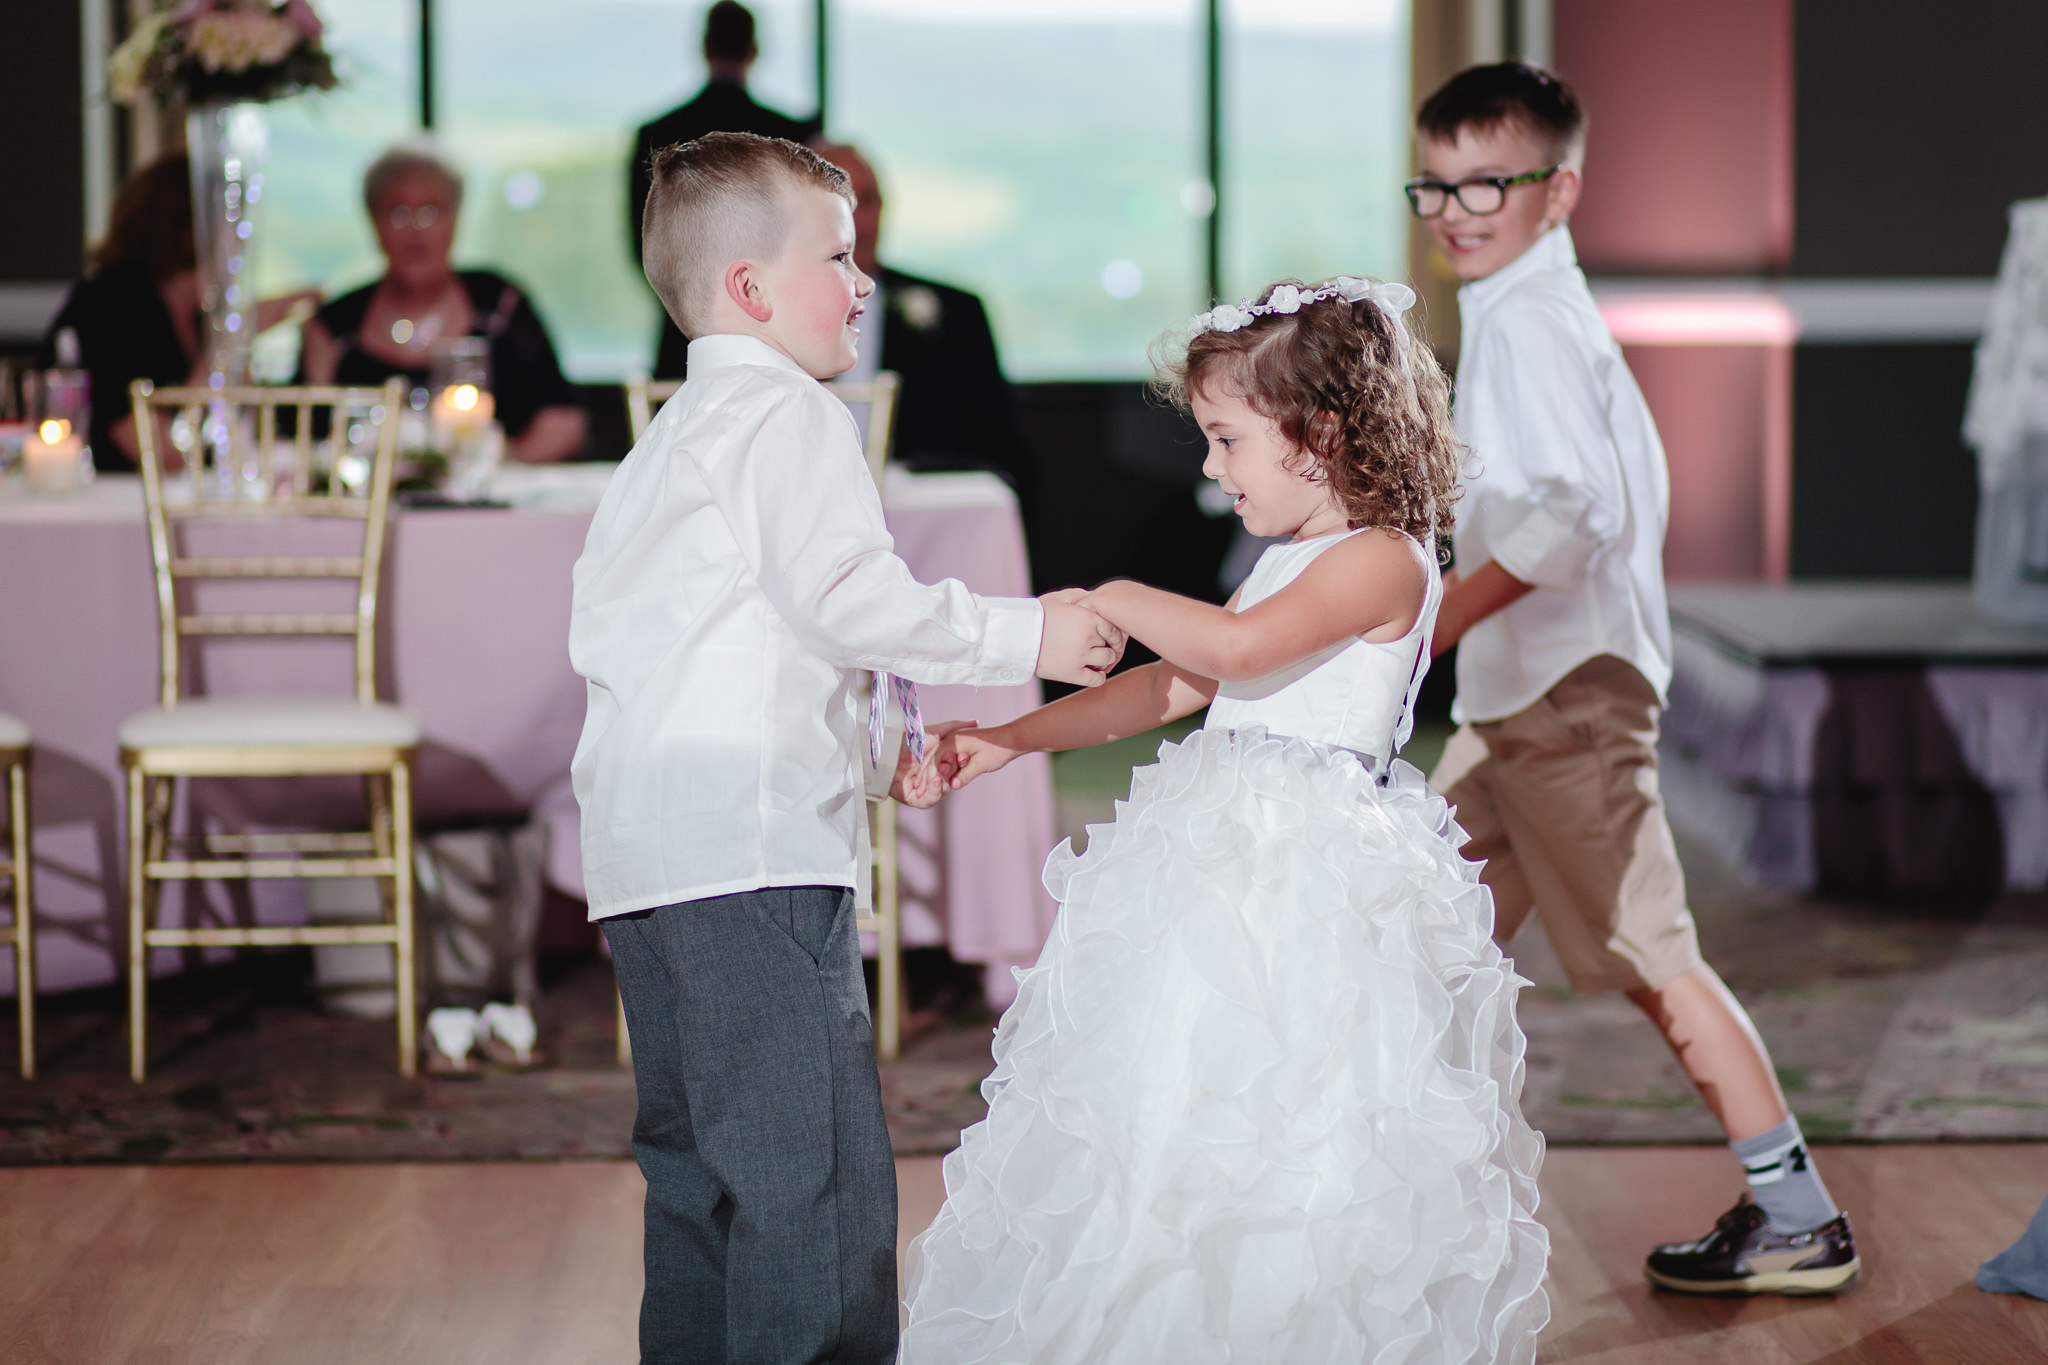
(52, 458)
(461, 411)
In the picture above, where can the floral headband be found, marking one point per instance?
(1390, 297)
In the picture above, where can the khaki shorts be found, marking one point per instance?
(1561, 802)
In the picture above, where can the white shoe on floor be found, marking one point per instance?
(451, 1034)
(507, 1033)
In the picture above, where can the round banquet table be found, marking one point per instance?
(474, 634)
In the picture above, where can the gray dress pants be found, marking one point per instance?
(771, 1189)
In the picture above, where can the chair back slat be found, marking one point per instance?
(270, 623)
(266, 437)
(269, 566)
(644, 395)
(215, 456)
(880, 396)
(302, 450)
(313, 505)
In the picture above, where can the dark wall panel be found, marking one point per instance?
(1882, 486)
(42, 142)
(1114, 495)
(1917, 124)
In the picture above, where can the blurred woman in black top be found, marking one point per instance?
(390, 327)
(137, 315)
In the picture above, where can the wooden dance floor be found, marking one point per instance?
(505, 1264)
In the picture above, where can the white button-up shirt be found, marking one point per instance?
(1566, 489)
(736, 580)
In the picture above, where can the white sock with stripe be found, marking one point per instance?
(1782, 1179)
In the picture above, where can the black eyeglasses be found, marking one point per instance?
(1479, 195)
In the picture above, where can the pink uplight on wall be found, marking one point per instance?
(1716, 370)
(1700, 320)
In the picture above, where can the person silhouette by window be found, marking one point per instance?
(722, 106)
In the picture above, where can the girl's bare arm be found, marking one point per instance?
(1131, 703)
(1369, 586)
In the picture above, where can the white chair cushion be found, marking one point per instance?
(263, 721)
(13, 733)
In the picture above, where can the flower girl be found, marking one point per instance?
(1258, 1101)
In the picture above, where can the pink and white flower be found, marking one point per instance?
(300, 16)
(221, 49)
(238, 40)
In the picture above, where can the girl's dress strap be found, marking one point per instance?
(1425, 636)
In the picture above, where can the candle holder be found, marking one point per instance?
(229, 144)
(55, 458)
(464, 414)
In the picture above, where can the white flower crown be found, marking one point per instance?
(1391, 297)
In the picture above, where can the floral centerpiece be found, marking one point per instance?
(222, 61)
(216, 51)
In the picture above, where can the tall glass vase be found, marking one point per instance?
(228, 145)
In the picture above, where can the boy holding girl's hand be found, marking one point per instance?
(736, 583)
(1558, 599)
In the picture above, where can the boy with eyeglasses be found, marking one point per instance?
(1558, 602)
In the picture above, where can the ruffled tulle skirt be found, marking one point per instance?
(1259, 1099)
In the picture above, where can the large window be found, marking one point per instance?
(315, 231)
(1046, 153)
(540, 101)
(1315, 144)
(1051, 155)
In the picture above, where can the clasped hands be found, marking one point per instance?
(1077, 646)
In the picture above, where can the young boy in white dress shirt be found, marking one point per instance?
(737, 582)
(1557, 606)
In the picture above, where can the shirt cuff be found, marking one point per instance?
(1545, 551)
(1016, 626)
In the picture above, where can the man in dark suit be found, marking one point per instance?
(722, 106)
(955, 410)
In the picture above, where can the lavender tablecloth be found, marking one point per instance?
(475, 624)
(1875, 737)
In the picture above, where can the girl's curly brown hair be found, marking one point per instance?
(1329, 378)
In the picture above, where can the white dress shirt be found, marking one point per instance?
(1566, 487)
(736, 580)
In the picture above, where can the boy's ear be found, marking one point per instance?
(1562, 195)
(748, 291)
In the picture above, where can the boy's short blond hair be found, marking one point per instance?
(716, 200)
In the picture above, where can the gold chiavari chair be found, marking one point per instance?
(17, 866)
(237, 470)
(884, 921)
(644, 395)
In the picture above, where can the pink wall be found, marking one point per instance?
(1725, 413)
(1689, 166)
(1689, 171)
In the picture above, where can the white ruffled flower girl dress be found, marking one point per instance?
(1258, 1100)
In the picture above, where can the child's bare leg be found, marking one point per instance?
(1713, 1039)
(1789, 1212)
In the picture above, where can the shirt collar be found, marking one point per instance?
(1552, 251)
(722, 349)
